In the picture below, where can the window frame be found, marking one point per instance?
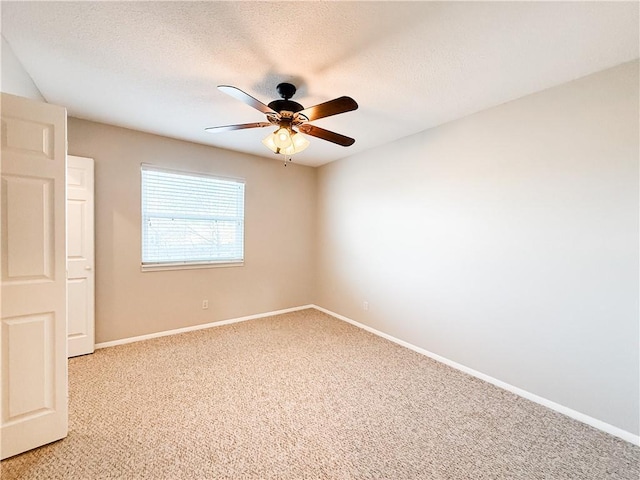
(196, 264)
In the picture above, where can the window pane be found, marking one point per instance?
(191, 218)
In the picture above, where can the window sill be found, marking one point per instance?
(157, 267)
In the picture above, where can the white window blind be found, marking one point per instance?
(190, 219)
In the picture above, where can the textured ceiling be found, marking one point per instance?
(154, 66)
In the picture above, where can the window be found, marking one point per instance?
(190, 219)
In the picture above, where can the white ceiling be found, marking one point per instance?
(154, 66)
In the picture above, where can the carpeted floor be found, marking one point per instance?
(305, 396)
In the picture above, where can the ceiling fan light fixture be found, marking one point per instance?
(285, 142)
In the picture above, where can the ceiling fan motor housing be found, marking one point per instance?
(285, 105)
(286, 91)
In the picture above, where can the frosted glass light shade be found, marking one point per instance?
(282, 138)
(299, 142)
(270, 144)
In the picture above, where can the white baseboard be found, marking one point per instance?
(193, 328)
(581, 417)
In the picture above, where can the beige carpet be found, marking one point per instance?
(305, 396)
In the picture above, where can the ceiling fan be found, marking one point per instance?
(291, 118)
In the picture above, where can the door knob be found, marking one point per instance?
(87, 267)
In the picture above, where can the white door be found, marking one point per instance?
(33, 337)
(80, 256)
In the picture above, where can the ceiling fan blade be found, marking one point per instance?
(326, 135)
(332, 107)
(245, 97)
(241, 126)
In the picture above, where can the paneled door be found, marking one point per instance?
(80, 256)
(33, 337)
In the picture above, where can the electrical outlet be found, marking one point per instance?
(365, 305)
(205, 304)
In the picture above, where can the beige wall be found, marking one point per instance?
(279, 235)
(506, 241)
